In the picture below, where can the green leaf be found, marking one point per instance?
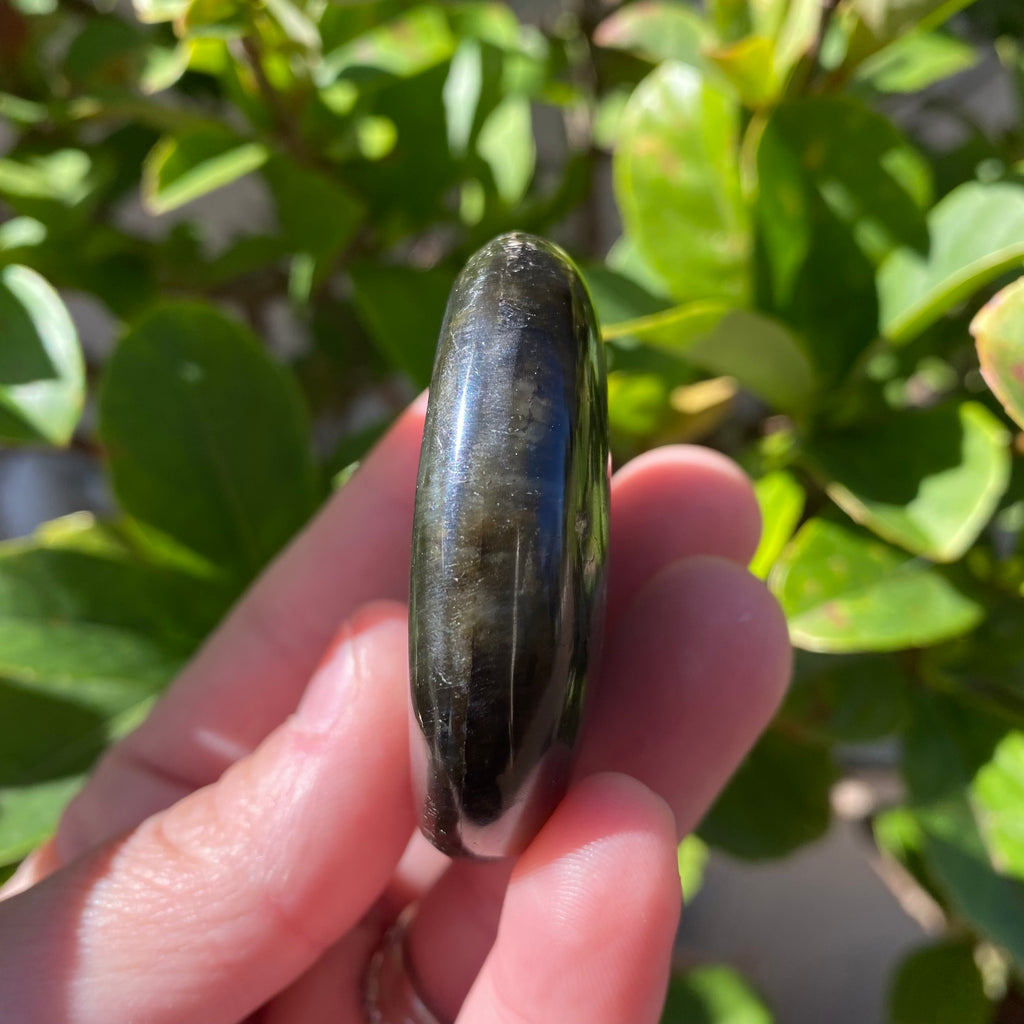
(976, 234)
(406, 46)
(65, 176)
(749, 64)
(713, 995)
(29, 814)
(835, 152)
(402, 308)
(507, 147)
(656, 31)
(761, 353)
(181, 169)
(155, 11)
(777, 801)
(917, 61)
(781, 500)
(843, 592)
(317, 214)
(617, 297)
(42, 375)
(939, 984)
(847, 698)
(672, 330)
(72, 617)
(998, 795)
(999, 336)
(870, 25)
(927, 480)
(207, 437)
(692, 856)
(677, 184)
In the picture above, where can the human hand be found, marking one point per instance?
(236, 859)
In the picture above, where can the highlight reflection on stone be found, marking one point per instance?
(509, 547)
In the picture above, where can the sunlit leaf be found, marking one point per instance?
(999, 335)
(781, 500)
(42, 375)
(713, 995)
(843, 592)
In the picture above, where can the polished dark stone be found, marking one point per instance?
(509, 547)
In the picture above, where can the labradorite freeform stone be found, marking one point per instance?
(509, 547)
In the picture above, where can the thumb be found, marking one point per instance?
(209, 908)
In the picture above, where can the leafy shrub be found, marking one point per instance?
(795, 283)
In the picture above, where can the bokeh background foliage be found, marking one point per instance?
(798, 281)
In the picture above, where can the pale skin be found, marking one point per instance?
(238, 857)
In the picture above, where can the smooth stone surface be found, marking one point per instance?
(509, 547)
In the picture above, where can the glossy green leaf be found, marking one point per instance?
(917, 61)
(154, 11)
(68, 616)
(42, 375)
(781, 500)
(402, 308)
(928, 480)
(999, 336)
(656, 31)
(692, 857)
(998, 795)
(207, 438)
(673, 330)
(939, 984)
(713, 995)
(844, 592)
(835, 152)
(181, 169)
(749, 64)
(677, 184)
(776, 802)
(976, 234)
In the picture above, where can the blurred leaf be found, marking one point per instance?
(847, 698)
(781, 500)
(677, 184)
(317, 214)
(638, 403)
(927, 480)
(75, 617)
(295, 23)
(406, 46)
(181, 169)
(998, 795)
(761, 354)
(29, 814)
(918, 61)
(507, 147)
(154, 11)
(207, 437)
(64, 176)
(656, 31)
(777, 801)
(402, 308)
(616, 297)
(843, 592)
(713, 995)
(976, 233)
(750, 66)
(42, 375)
(999, 336)
(692, 856)
(870, 25)
(939, 984)
(670, 329)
